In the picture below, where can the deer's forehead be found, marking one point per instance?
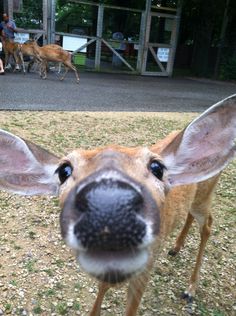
(79, 156)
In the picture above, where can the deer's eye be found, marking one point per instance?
(64, 172)
(157, 169)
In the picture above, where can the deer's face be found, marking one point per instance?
(111, 208)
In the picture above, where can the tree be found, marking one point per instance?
(201, 28)
(31, 15)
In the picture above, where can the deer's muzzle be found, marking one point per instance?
(108, 219)
(105, 218)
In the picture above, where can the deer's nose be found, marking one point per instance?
(110, 215)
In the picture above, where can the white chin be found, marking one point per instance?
(113, 266)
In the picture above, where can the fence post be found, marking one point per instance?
(144, 37)
(99, 36)
(174, 39)
(9, 8)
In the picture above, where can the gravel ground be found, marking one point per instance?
(39, 274)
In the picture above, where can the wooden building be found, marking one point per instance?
(150, 56)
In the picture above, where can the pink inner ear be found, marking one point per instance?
(21, 169)
(13, 160)
(206, 139)
(206, 147)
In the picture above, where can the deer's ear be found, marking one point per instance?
(205, 147)
(26, 168)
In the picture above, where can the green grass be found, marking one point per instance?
(30, 265)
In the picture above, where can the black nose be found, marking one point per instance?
(109, 215)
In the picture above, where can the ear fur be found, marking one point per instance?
(26, 168)
(205, 146)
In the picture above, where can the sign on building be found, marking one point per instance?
(72, 43)
(163, 54)
(21, 37)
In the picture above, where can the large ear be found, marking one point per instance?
(205, 147)
(26, 168)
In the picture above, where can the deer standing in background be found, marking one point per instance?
(119, 204)
(27, 49)
(13, 49)
(51, 52)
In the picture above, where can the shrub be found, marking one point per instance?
(228, 69)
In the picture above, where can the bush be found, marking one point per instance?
(228, 69)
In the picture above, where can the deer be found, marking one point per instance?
(13, 49)
(54, 53)
(119, 204)
(27, 49)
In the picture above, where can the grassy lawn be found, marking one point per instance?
(39, 274)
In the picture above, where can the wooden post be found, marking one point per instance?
(222, 38)
(141, 41)
(145, 36)
(50, 12)
(5, 6)
(49, 22)
(99, 36)
(174, 39)
(10, 9)
(45, 20)
(53, 15)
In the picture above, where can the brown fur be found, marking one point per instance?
(27, 49)
(54, 53)
(12, 49)
(192, 200)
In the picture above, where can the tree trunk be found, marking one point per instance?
(202, 44)
(204, 25)
(222, 39)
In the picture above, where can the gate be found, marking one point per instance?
(112, 45)
(152, 51)
(160, 44)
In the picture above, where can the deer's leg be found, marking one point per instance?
(30, 64)
(22, 61)
(205, 230)
(182, 236)
(76, 73)
(17, 60)
(34, 60)
(7, 57)
(65, 72)
(43, 69)
(59, 67)
(70, 66)
(135, 291)
(201, 212)
(103, 288)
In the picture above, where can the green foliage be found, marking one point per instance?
(71, 15)
(61, 308)
(74, 16)
(228, 69)
(31, 15)
(37, 309)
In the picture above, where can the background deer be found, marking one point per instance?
(119, 204)
(27, 49)
(14, 50)
(47, 53)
